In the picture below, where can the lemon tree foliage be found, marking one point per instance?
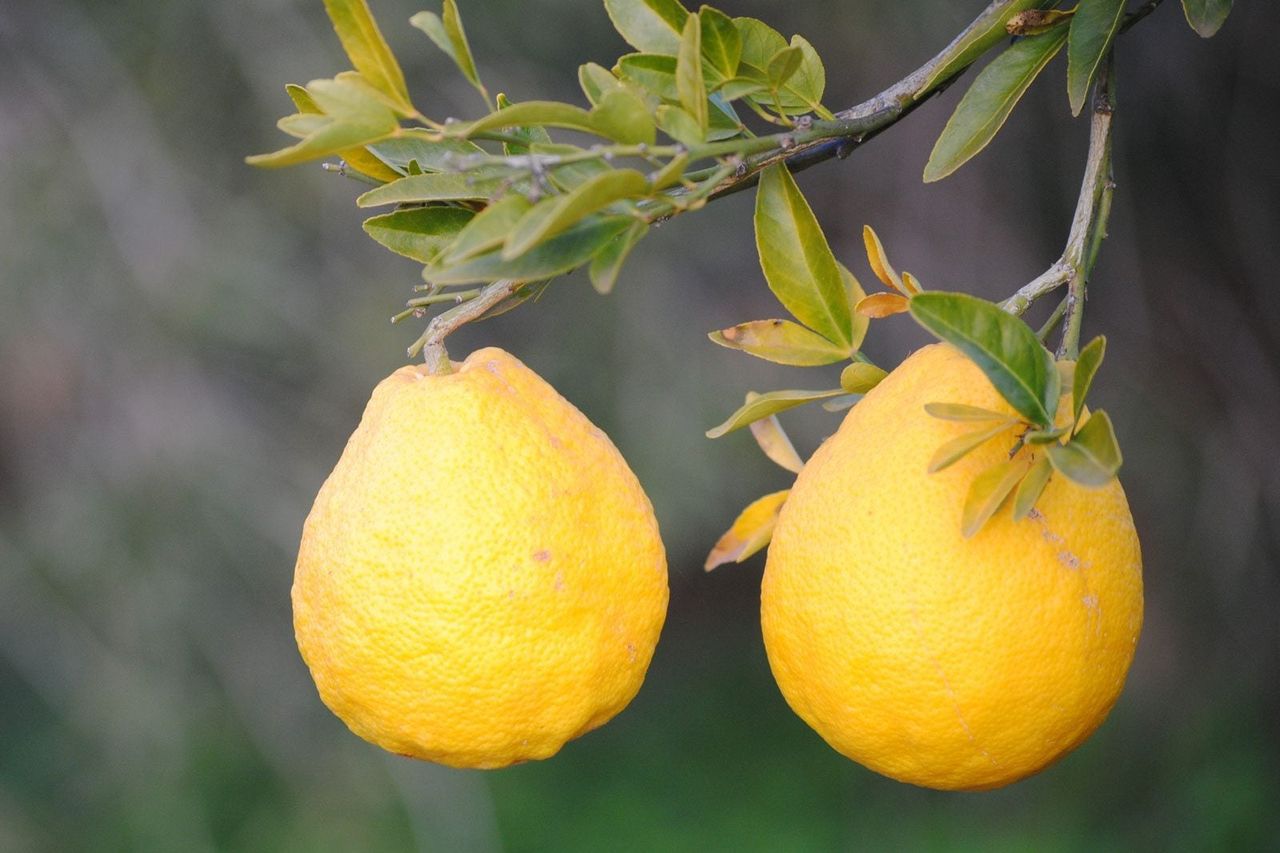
(496, 205)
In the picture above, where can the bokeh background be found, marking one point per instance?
(185, 344)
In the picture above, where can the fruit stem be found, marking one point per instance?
(431, 343)
(1089, 227)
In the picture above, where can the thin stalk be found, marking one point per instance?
(1090, 224)
(1052, 323)
(431, 343)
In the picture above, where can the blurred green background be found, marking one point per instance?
(185, 344)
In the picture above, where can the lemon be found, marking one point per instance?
(942, 661)
(481, 578)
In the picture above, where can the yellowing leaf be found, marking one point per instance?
(1031, 487)
(368, 50)
(775, 443)
(879, 261)
(860, 377)
(782, 342)
(751, 531)
(961, 412)
(879, 305)
(769, 404)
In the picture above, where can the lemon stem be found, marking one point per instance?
(431, 343)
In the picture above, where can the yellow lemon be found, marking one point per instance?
(481, 578)
(946, 662)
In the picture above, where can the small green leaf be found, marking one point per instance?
(860, 377)
(775, 443)
(670, 174)
(751, 531)
(979, 37)
(488, 230)
(721, 42)
(690, 85)
(985, 107)
(783, 65)
(854, 293)
(1087, 364)
(1092, 456)
(447, 33)
(1206, 17)
(651, 72)
(539, 113)
(769, 404)
(623, 117)
(368, 50)
(433, 186)
(1093, 27)
(760, 43)
(553, 215)
(679, 125)
(957, 448)
(1003, 346)
(741, 87)
(431, 154)
(723, 121)
(796, 259)
(652, 26)
(1031, 487)
(596, 81)
(419, 233)
(961, 412)
(559, 255)
(782, 342)
(804, 88)
(606, 265)
(988, 492)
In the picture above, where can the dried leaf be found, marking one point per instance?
(782, 342)
(751, 531)
(775, 443)
(880, 305)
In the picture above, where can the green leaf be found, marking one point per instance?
(679, 125)
(1092, 456)
(775, 443)
(1206, 17)
(651, 72)
(782, 342)
(1031, 487)
(987, 493)
(760, 43)
(860, 377)
(352, 117)
(982, 35)
(431, 154)
(368, 50)
(623, 117)
(957, 448)
(540, 113)
(651, 26)
(751, 531)
(1093, 27)
(559, 255)
(723, 121)
(1087, 364)
(530, 137)
(1045, 436)
(1003, 346)
(606, 265)
(985, 107)
(310, 119)
(783, 65)
(690, 85)
(796, 259)
(741, 87)
(448, 35)
(596, 81)
(488, 230)
(418, 233)
(961, 412)
(433, 186)
(721, 42)
(769, 404)
(854, 294)
(804, 88)
(553, 215)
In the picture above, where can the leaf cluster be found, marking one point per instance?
(1087, 30)
(497, 198)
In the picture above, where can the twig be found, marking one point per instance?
(432, 341)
